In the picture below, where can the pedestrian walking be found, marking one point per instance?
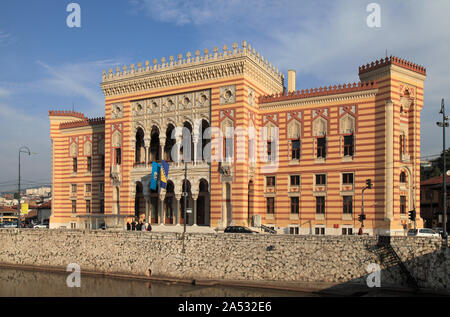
(133, 225)
(128, 226)
(149, 227)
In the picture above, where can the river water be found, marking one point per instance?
(14, 283)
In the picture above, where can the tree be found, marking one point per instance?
(436, 166)
(438, 162)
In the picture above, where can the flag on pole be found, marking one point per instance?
(154, 179)
(164, 172)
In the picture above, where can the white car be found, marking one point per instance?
(40, 227)
(425, 232)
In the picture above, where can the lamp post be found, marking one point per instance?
(362, 216)
(185, 194)
(444, 124)
(26, 150)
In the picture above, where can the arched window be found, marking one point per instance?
(139, 148)
(170, 143)
(154, 145)
(402, 177)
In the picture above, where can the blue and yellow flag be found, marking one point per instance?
(164, 173)
(154, 180)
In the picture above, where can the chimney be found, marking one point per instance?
(291, 80)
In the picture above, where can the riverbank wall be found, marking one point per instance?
(239, 257)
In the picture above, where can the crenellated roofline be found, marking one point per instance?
(66, 113)
(82, 123)
(192, 69)
(392, 60)
(318, 92)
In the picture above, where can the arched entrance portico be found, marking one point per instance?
(169, 201)
(189, 204)
(203, 204)
(155, 148)
(139, 203)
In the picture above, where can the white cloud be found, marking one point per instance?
(5, 38)
(18, 127)
(200, 12)
(75, 80)
(4, 92)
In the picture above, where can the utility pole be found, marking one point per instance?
(444, 124)
(26, 150)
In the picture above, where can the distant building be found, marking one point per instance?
(42, 191)
(40, 214)
(7, 211)
(426, 164)
(431, 203)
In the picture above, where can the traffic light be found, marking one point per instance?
(369, 183)
(362, 217)
(412, 215)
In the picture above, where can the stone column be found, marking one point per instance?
(389, 161)
(195, 153)
(179, 154)
(194, 209)
(147, 205)
(147, 147)
(195, 142)
(162, 143)
(177, 208)
(162, 209)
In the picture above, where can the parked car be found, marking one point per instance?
(10, 225)
(425, 232)
(40, 226)
(439, 230)
(238, 229)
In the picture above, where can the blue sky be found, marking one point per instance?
(46, 65)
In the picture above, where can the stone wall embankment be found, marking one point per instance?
(288, 258)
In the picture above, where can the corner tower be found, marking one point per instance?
(398, 102)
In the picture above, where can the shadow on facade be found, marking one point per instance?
(400, 273)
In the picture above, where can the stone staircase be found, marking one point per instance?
(389, 258)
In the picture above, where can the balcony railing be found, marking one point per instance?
(172, 164)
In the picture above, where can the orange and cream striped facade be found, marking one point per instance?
(296, 161)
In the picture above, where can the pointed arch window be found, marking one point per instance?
(349, 145)
(402, 177)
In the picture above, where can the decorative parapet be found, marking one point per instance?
(318, 92)
(66, 113)
(246, 50)
(83, 123)
(187, 70)
(392, 60)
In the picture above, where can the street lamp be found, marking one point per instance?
(26, 150)
(185, 196)
(443, 124)
(362, 216)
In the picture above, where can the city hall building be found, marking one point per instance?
(254, 152)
